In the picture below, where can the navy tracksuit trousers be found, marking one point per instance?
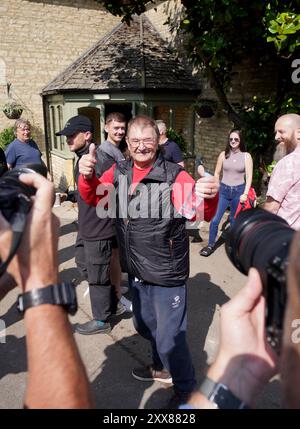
(159, 315)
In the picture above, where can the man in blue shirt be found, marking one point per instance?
(22, 150)
(171, 151)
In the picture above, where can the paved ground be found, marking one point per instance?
(110, 358)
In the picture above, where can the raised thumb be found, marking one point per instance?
(201, 171)
(92, 150)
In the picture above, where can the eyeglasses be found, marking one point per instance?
(146, 142)
(24, 129)
(235, 139)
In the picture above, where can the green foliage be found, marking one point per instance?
(218, 28)
(177, 138)
(285, 32)
(6, 137)
(218, 32)
(222, 34)
(125, 8)
(259, 120)
(270, 167)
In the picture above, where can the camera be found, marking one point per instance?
(262, 240)
(15, 195)
(15, 203)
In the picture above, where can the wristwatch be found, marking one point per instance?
(221, 396)
(57, 294)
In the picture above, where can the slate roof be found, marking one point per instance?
(130, 58)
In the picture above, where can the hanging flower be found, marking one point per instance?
(12, 110)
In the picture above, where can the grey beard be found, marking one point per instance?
(280, 152)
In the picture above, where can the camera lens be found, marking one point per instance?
(255, 239)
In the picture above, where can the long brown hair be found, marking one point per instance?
(242, 145)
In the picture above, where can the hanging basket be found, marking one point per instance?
(12, 110)
(206, 108)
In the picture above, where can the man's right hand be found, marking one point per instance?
(87, 163)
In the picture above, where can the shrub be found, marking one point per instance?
(6, 137)
(177, 138)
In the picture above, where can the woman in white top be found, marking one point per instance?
(237, 168)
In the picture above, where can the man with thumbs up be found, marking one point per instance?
(96, 237)
(154, 246)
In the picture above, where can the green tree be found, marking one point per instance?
(222, 34)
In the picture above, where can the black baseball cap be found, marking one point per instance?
(76, 124)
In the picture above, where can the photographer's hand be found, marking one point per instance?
(56, 375)
(245, 362)
(37, 256)
(35, 264)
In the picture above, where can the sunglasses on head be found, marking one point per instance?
(235, 139)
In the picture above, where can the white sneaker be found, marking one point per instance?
(127, 304)
(124, 289)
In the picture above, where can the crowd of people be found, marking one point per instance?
(154, 251)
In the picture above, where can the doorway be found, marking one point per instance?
(93, 113)
(125, 108)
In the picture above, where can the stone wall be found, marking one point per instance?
(38, 40)
(159, 15)
(62, 172)
(210, 138)
(182, 121)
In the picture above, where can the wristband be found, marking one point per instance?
(221, 396)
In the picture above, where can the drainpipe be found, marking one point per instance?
(46, 129)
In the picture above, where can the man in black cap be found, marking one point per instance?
(96, 237)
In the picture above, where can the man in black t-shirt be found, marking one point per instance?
(96, 237)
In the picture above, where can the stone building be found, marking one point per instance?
(41, 38)
(131, 70)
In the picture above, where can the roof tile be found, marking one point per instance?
(128, 60)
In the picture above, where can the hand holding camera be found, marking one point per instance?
(28, 228)
(262, 240)
(245, 362)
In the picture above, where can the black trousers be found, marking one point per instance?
(93, 261)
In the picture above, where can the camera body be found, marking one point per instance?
(15, 195)
(15, 204)
(262, 240)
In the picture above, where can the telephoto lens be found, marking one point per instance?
(262, 240)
